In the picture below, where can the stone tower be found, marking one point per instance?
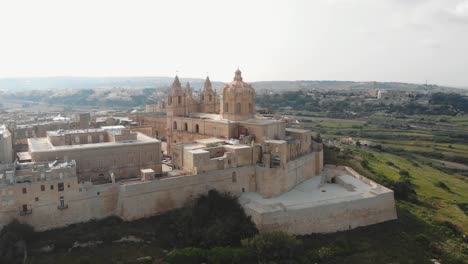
(208, 98)
(176, 99)
(238, 99)
(191, 105)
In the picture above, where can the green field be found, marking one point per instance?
(418, 145)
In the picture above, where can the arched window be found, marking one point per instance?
(179, 99)
(174, 125)
(226, 107)
(234, 176)
(238, 108)
(209, 98)
(185, 127)
(197, 128)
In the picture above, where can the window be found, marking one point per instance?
(209, 98)
(202, 98)
(68, 185)
(25, 190)
(90, 139)
(214, 131)
(179, 100)
(101, 138)
(226, 107)
(197, 128)
(25, 208)
(174, 125)
(62, 202)
(77, 139)
(185, 127)
(243, 189)
(42, 188)
(36, 199)
(169, 101)
(60, 187)
(98, 193)
(51, 187)
(250, 108)
(238, 108)
(234, 177)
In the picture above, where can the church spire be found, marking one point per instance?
(207, 86)
(188, 89)
(176, 84)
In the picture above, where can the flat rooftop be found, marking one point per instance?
(311, 193)
(43, 144)
(208, 141)
(112, 129)
(261, 121)
(297, 130)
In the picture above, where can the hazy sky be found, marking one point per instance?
(383, 40)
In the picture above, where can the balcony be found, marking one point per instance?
(62, 207)
(25, 212)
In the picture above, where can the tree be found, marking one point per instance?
(275, 246)
(13, 240)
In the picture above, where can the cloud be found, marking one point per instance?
(430, 43)
(458, 13)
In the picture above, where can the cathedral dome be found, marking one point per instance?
(238, 99)
(238, 84)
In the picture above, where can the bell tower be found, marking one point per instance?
(176, 99)
(208, 98)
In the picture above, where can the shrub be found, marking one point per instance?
(404, 189)
(274, 246)
(221, 255)
(318, 256)
(422, 240)
(324, 253)
(365, 164)
(186, 256)
(442, 185)
(404, 173)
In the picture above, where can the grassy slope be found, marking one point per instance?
(437, 212)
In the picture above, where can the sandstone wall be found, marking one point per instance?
(327, 218)
(128, 200)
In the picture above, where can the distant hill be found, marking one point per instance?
(138, 91)
(54, 83)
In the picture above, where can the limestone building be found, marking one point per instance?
(6, 145)
(277, 170)
(99, 153)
